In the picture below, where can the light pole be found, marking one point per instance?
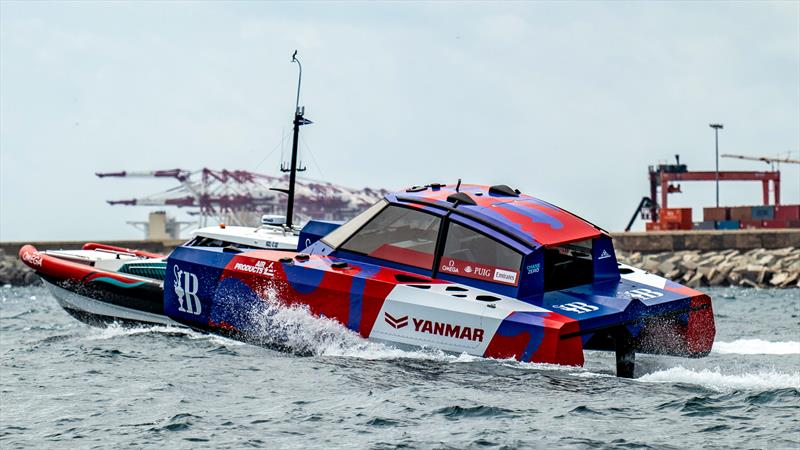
(716, 127)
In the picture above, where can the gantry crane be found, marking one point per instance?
(240, 197)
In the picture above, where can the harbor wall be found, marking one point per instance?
(686, 253)
(706, 240)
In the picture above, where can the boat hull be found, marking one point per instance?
(95, 311)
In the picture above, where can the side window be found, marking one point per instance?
(568, 265)
(470, 254)
(401, 235)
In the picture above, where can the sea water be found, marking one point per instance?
(65, 384)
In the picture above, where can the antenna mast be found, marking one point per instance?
(299, 120)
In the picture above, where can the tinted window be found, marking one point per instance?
(471, 254)
(201, 241)
(568, 265)
(339, 235)
(402, 235)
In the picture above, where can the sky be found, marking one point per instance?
(567, 101)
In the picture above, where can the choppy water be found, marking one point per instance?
(65, 384)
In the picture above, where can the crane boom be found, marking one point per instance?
(765, 159)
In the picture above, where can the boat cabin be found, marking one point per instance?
(492, 238)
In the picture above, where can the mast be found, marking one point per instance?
(299, 120)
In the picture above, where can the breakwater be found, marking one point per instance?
(764, 258)
(778, 268)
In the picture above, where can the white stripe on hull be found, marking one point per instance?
(70, 300)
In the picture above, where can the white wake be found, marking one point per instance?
(717, 380)
(757, 347)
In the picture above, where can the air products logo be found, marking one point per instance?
(395, 322)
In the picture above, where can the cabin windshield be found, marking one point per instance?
(402, 235)
(568, 265)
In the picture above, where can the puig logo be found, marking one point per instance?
(186, 285)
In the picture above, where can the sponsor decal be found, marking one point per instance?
(265, 268)
(450, 267)
(577, 307)
(436, 328)
(483, 272)
(478, 272)
(604, 255)
(186, 286)
(271, 244)
(448, 330)
(505, 276)
(395, 322)
(33, 258)
(642, 294)
(534, 268)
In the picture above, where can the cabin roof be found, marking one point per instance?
(520, 215)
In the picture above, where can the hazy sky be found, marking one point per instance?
(569, 102)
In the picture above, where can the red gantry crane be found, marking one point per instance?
(664, 176)
(240, 197)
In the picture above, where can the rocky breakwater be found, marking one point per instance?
(779, 268)
(15, 272)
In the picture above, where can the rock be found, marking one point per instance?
(696, 281)
(673, 275)
(717, 278)
(747, 283)
(766, 260)
(763, 277)
(784, 279)
(650, 265)
(666, 267)
(30, 278)
(705, 270)
(725, 268)
(779, 278)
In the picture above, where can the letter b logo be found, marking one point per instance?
(186, 286)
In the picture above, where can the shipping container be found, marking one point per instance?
(705, 225)
(728, 225)
(793, 223)
(762, 212)
(714, 214)
(741, 213)
(776, 224)
(751, 224)
(680, 216)
(787, 212)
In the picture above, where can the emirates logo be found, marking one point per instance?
(395, 322)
